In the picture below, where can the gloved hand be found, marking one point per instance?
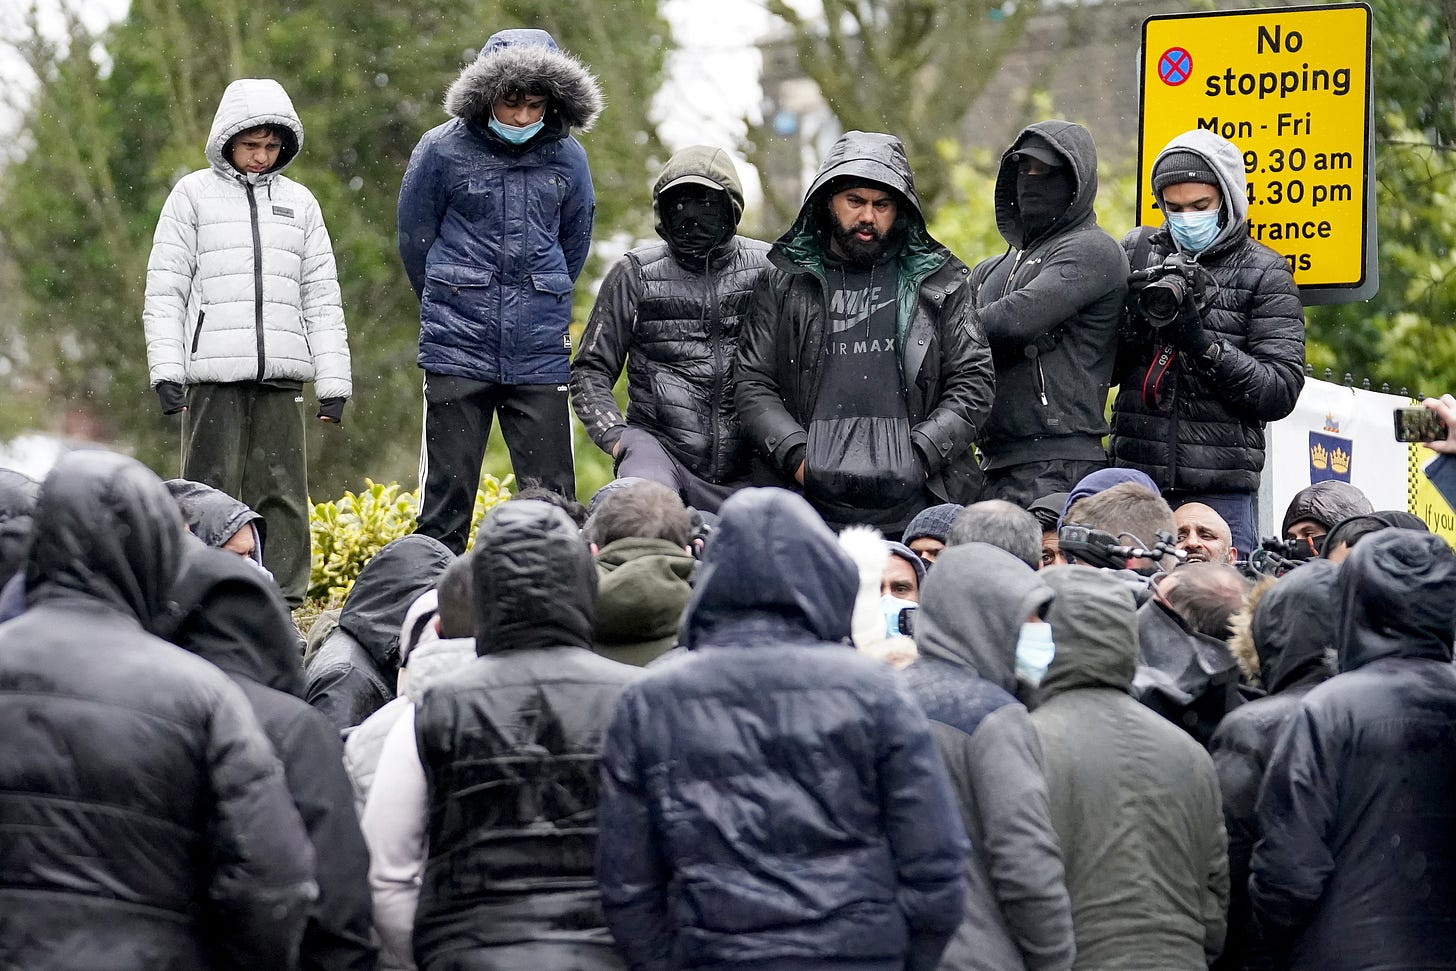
(1186, 331)
(169, 394)
(331, 410)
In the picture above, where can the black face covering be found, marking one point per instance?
(1042, 200)
(698, 220)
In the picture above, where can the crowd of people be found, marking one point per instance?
(871, 657)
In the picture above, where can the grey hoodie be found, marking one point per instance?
(1134, 800)
(1050, 307)
(972, 607)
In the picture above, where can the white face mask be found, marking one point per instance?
(1034, 651)
(892, 607)
(1194, 232)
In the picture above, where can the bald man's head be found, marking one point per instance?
(1203, 534)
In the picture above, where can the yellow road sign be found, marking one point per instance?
(1291, 88)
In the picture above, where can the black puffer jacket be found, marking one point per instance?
(1292, 629)
(510, 746)
(356, 667)
(774, 798)
(235, 617)
(675, 323)
(1195, 427)
(213, 516)
(17, 506)
(1356, 868)
(945, 363)
(146, 822)
(1050, 307)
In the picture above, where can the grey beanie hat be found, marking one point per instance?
(1181, 165)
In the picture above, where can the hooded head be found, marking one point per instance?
(869, 159)
(17, 507)
(389, 583)
(526, 61)
(1094, 622)
(1397, 597)
(232, 616)
(773, 566)
(535, 584)
(1347, 532)
(106, 529)
(1104, 479)
(213, 516)
(1294, 624)
(1325, 504)
(1068, 156)
(698, 202)
(250, 103)
(972, 609)
(1205, 157)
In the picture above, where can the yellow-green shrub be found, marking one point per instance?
(348, 531)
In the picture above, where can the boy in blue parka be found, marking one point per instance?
(495, 220)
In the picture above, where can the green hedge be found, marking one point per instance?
(348, 531)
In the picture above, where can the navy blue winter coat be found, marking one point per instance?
(774, 799)
(493, 235)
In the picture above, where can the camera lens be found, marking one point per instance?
(1161, 299)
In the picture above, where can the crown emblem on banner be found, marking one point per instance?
(1320, 459)
(1331, 425)
(1340, 461)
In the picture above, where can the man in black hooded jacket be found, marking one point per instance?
(863, 373)
(233, 616)
(1288, 636)
(355, 670)
(146, 822)
(672, 312)
(1050, 306)
(1356, 865)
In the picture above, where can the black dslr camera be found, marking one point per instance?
(1168, 286)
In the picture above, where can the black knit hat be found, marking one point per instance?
(1182, 165)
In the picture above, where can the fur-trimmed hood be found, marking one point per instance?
(526, 59)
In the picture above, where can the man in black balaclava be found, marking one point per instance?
(671, 313)
(1050, 306)
(863, 375)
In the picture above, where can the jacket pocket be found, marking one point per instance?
(867, 462)
(557, 285)
(197, 333)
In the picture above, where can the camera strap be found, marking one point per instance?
(1157, 372)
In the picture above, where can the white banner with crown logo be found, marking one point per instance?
(1341, 433)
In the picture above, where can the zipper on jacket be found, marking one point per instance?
(197, 334)
(1012, 276)
(715, 335)
(257, 273)
(1040, 382)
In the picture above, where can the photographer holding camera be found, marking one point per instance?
(1212, 341)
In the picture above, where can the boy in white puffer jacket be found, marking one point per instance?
(243, 307)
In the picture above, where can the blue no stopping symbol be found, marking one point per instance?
(1175, 66)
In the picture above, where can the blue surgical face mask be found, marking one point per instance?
(1034, 651)
(1193, 231)
(514, 135)
(892, 607)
